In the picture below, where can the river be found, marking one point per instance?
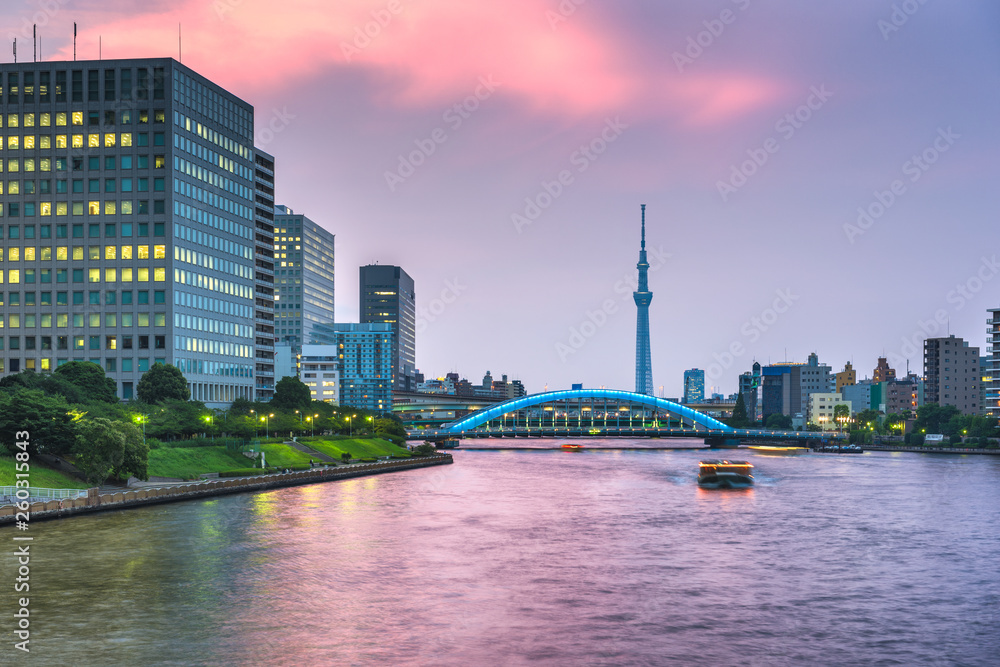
(540, 557)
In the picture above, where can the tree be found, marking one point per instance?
(841, 413)
(106, 449)
(291, 394)
(47, 419)
(162, 382)
(779, 422)
(739, 418)
(90, 379)
(934, 418)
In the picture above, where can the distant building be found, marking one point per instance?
(387, 296)
(859, 395)
(903, 395)
(303, 258)
(952, 374)
(984, 383)
(787, 386)
(821, 409)
(263, 216)
(364, 356)
(992, 375)
(749, 388)
(285, 362)
(694, 386)
(846, 377)
(882, 372)
(319, 369)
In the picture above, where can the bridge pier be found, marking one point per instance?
(719, 442)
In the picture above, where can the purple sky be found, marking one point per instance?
(504, 293)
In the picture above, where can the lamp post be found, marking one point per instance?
(208, 420)
(315, 417)
(350, 422)
(142, 420)
(267, 425)
(312, 426)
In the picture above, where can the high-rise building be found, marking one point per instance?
(992, 375)
(364, 356)
(264, 273)
(952, 375)
(694, 386)
(643, 297)
(128, 223)
(787, 386)
(304, 269)
(387, 296)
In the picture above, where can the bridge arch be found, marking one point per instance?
(481, 417)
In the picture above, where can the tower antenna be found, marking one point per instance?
(34, 42)
(74, 40)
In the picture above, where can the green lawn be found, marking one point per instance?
(41, 477)
(357, 447)
(281, 456)
(189, 462)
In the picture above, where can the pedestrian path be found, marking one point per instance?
(320, 456)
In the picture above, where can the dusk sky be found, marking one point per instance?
(434, 135)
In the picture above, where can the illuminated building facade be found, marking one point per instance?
(364, 362)
(951, 374)
(991, 374)
(694, 385)
(303, 267)
(127, 219)
(388, 297)
(264, 274)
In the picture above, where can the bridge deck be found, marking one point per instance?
(743, 435)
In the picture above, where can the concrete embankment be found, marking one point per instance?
(930, 450)
(125, 499)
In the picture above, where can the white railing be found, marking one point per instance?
(9, 494)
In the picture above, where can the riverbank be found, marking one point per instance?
(95, 501)
(930, 450)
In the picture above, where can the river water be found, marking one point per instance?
(540, 557)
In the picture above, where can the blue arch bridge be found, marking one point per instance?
(605, 413)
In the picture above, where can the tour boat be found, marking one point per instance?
(570, 447)
(721, 474)
(447, 443)
(779, 451)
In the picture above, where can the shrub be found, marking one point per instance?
(368, 460)
(917, 439)
(246, 472)
(153, 443)
(955, 440)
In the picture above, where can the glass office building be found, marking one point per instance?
(387, 296)
(127, 221)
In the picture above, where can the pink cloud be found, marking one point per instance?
(430, 53)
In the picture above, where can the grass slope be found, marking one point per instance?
(41, 477)
(358, 448)
(280, 456)
(189, 462)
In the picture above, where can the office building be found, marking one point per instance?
(304, 269)
(859, 395)
(951, 374)
(694, 386)
(387, 296)
(821, 410)
(787, 386)
(992, 375)
(128, 223)
(319, 369)
(364, 356)
(264, 274)
(903, 395)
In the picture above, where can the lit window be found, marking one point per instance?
(78, 118)
(126, 139)
(61, 118)
(126, 275)
(159, 252)
(143, 275)
(143, 252)
(110, 275)
(77, 141)
(94, 208)
(95, 275)
(159, 274)
(110, 207)
(94, 140)
(126, 252)
(109, 140)
(111, 252)
(61, 141)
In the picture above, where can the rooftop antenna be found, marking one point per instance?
(74, 40)
(34, 42)
(100, 47)
(15, 50)
(179, 59)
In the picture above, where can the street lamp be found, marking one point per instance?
(350, 422)
(267, 424)
(142, 420)
(208, 420)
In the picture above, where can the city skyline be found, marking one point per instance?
(753, 133)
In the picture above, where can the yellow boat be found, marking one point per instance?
(778, 451)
